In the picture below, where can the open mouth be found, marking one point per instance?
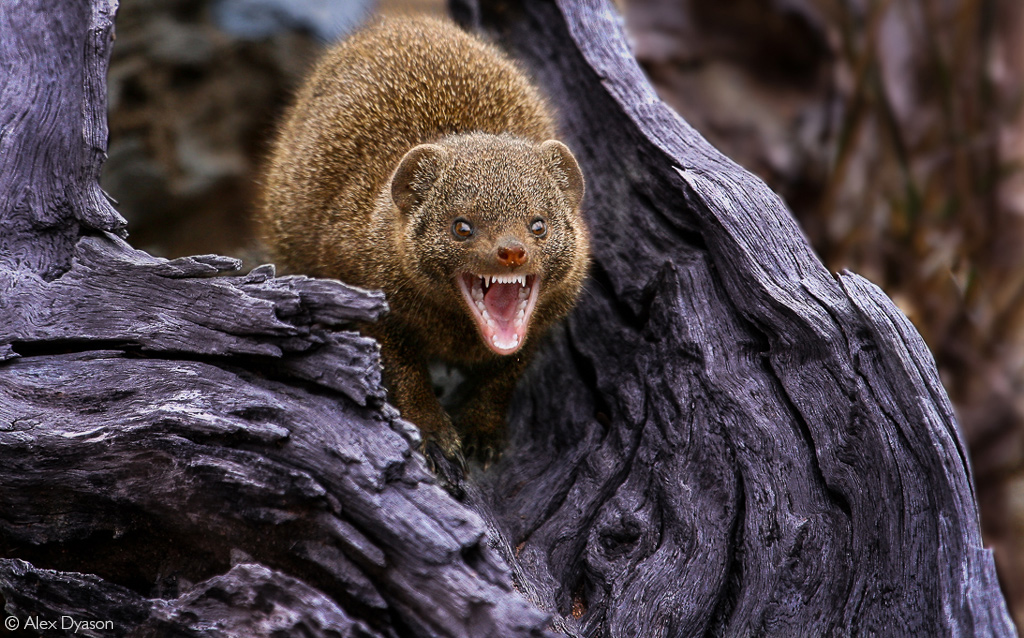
(501, 306)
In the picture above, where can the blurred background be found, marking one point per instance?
(893, 128)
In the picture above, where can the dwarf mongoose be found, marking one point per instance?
(418, 159)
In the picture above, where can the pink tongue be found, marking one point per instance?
(500, 301)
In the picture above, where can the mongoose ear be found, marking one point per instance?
(416, 174)
(567, 172)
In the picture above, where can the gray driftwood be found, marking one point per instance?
(724, 439)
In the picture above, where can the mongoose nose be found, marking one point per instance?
(514, 255)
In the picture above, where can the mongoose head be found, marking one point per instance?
(493, 223)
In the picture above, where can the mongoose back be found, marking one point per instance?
(418, 159)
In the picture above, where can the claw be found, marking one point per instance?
(449, 468)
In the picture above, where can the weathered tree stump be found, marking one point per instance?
(723, 439)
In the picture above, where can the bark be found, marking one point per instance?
(723, 439)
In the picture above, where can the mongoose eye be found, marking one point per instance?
(462, 229)
(539, 227)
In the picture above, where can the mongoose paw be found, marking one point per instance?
(483, 447)
(448, 466)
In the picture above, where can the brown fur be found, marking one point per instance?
(400, 129)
